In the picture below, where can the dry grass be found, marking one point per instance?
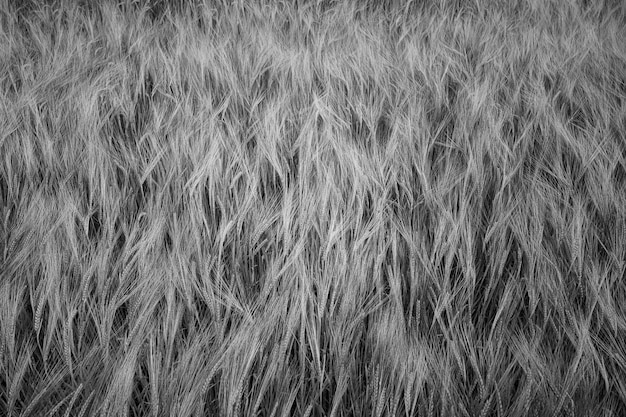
(315, 208)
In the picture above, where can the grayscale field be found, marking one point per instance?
(313, 208)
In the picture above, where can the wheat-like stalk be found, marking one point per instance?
(396, 402)
(408, 395)
(373, 382)
(431, 403)
(214, 369)
(10, 336)
(381, 402)
(481, 386)
(39, 312)
(17, 379)
(83, 409)
(73, 400)
(486, 407)
(237, 398)
(499, 401)
(308, 411)
(67, 350)
(54, 410)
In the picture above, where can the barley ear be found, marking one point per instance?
(431, 403)
(238, 399)
(381, 402)
(499, 400)
(73, 400)
(308, 410)
(486, 407)
(83, 409)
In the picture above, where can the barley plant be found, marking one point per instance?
(313, 208)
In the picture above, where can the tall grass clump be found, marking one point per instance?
(312, 208)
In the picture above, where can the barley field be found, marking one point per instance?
(313, 208)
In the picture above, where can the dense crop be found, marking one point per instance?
(345, 208)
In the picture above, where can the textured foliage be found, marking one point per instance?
(319, 208)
